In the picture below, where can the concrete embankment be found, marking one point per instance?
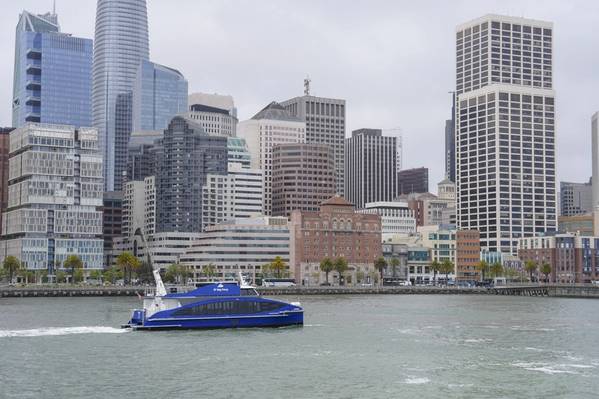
(568, 291)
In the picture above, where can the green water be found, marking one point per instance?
(351, 347)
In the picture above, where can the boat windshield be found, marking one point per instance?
(249, 292)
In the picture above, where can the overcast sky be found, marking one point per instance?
(392, 61)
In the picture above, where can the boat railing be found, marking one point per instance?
(170, 289)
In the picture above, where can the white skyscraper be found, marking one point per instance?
(505, 130)
(271, 126)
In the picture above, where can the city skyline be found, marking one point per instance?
(383, 87)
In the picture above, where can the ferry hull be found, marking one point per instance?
(187, 323)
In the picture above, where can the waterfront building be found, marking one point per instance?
(396, 217)
(4, 150)
(112, 223)
(271, 126)
(236, 195)
(325, 124)
(467, 255)
(54, 192)
(133, 208)
(595, 159)
(430, 209)
(121, 43)
(573, 258)
(159, 93)
(303, 177)
(419, 266)
(185, 156)
(160, 249)
(334, 231)
(441, 240)
(370, 167)
(505, 130)
(239, 245)
(52, 74)
(576, 198)
(412, 181)
(399, 253)
(582, 224)
(238, 152)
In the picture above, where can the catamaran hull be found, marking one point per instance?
(187, 323)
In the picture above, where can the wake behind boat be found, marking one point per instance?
(217, 305)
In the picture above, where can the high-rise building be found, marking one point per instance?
(413, 180)
(54, 192)
(4, 149)
(303, 177)
(52, 74)
(159, 93)
(236, 195)
(505, 130)
(336, 231)
(450, 143)
(112, 223)
(185, 156)
(325, 124)
(219, 101)
(271, 126)
(121, 43)
(238, 152)
(595, 154)
(214, 120)
(575, 198)
(370, 167)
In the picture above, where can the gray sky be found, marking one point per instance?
(393, 61)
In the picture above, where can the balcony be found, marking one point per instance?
(33, 53)
(33, 99)
(34, 82)
(34, 67)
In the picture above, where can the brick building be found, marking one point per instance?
(467, 255)
(334, 231)
(573, 258)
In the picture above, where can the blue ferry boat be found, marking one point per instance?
(217, 305)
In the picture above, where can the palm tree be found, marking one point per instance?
(546, 270)
(327, 266)
(340, 266)
(73, 262)
(496, 269)
(394, 265)
(436, 266)
(482, 267)
(11, 264)
(446, 268)
(127, 262)
(530, 266)
(209, 271)
(380, 264)
(278, 266)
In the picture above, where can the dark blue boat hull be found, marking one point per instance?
(280, 320)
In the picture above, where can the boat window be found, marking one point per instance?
(228, 308)
(248, 292)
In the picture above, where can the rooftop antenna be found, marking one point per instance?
(54, 7)
(307, 86)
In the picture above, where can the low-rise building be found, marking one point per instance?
(583, 224)
(573, 258)
(240, 245)
(335, 231)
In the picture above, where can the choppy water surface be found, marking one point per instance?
(351, 347)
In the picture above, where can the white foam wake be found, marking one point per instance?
(46, 331)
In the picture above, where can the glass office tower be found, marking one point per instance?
(121, 43)
(52, 74)
(159, 94)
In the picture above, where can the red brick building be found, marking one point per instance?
(335, 231)
(467, 255)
